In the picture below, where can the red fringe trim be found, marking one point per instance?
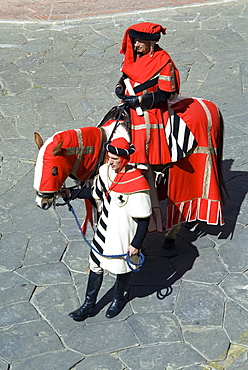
(206, 210)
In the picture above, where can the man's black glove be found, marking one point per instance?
(119, 91)
(120, 88)
(131, 101)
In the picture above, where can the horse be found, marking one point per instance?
(75, 153)
(194, 182)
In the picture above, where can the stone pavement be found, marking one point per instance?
(188, 306)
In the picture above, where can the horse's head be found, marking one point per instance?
(51, 170)
(71, 152)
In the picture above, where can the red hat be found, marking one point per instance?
(143, 31)
(120, 146)
(130, 181)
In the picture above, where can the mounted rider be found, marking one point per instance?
(150, 78)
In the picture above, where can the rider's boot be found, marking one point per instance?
(87, 309)
(119, 300)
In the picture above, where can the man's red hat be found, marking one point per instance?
(143, 31)
(120, 146)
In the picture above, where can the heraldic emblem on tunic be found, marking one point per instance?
(121, 199)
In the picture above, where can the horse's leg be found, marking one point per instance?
(223, 188)
(172, 233)
(170, 237)
(156, 222)
(162, 175)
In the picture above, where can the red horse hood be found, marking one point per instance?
(78, 154)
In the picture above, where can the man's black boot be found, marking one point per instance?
(87, 309)
(118, 301)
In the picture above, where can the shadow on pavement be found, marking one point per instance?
(164, 265)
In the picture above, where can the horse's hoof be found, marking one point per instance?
(168, 243)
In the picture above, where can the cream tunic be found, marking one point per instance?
(118, 221)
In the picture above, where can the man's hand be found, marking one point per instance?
(65, 193)
(132, 251)
(119, 91)
(132, 101)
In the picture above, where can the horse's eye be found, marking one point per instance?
(55, 171)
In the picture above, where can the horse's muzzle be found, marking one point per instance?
(44, 201)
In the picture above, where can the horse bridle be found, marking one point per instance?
(46, 199)
(55, 195)
(47, 195)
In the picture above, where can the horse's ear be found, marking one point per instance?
(57, 149)
(38, 140)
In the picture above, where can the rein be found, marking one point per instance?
(126, 255)
(121, 110)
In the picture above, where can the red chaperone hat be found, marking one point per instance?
(143, 31)
(120, 146)
(126, 182)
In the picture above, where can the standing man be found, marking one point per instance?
(122, 225)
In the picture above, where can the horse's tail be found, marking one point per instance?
(222, 183)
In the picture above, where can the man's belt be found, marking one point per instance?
(145, 85)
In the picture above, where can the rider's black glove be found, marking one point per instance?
(131, 101)
(120, 88)
(119, 91)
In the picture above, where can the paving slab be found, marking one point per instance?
(200, 304)
(201, 339)
(49, 248)
(17, 313)
(155, 327)
(235, 323)
(52, 302)
(57, 10)
(100, 362)
(46, 274)
(208, 268)
(9, 260)
(235, 262)
(235, 287)
(3, 365)
(14, 345)
(61, 359)
(166, 355)
(16, 294)
(101, 338)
